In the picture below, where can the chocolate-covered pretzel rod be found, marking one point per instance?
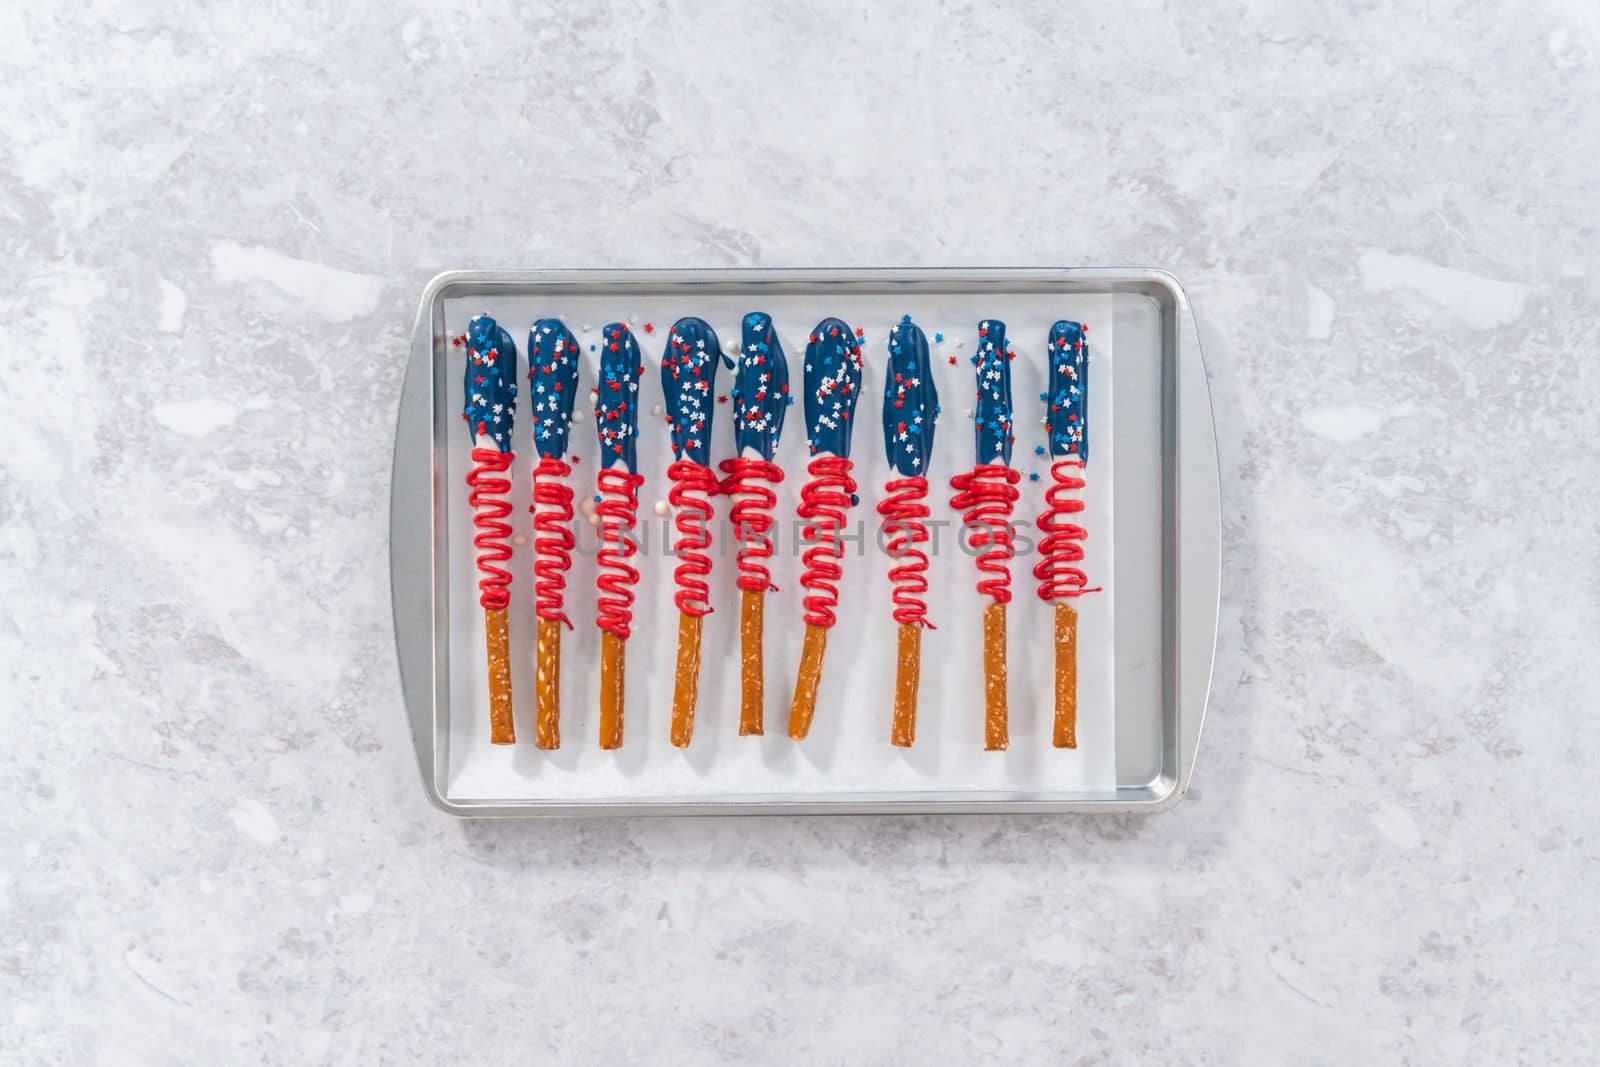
(985, 495)
(553, 374)
(832, 383)
(760, 399)
(616, 424)
(1066, 421)
(688, 379)
(910, 410)
(490, 390)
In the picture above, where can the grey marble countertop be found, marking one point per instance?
(213, 228)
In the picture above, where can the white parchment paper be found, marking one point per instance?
(848, 751)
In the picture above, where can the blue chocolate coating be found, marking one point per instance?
(833, 381)
(1067, 414)
(616, 399)
(993, 419)
(490, 382)
(688, 379)
(910, 400)
(553, 370)
(760, 388)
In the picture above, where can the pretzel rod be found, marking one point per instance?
(686, 684)
(547, 684)
(1066, 725)
(553, 374)
(761, 401)
(910, 412)
(752, 675)
(616, 579)
(692, 487)
(822, 502)
(804, 707)
(616, 424)
(489, 388)
(908, 668)
(1061, 577)
(688, 381)
(749, 484)
(996, 737)
(832, 387)
(613, 671)
(501, 730)
(986, 495)
(487, 499)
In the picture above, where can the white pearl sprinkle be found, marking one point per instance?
(588, 506)
(658, 410)
(578, 416)
(594, 520)
(519, 539)
(662, 508)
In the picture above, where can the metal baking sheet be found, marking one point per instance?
(1164, 515)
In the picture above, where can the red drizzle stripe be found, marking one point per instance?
(1062, 546)
(752, 517)
(618, 510)
(693, 484)
(986, 494)
(490, 514)
(903, 511)
(823, 501)
(552, 538)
